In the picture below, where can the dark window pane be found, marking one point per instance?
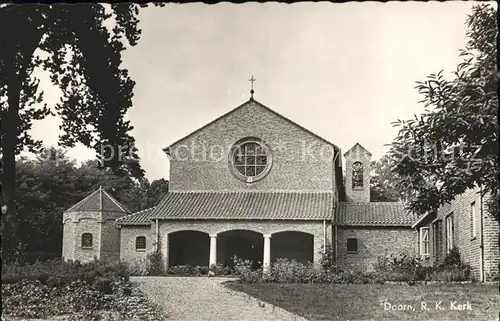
(241, 169)
(260, 150)
(86, 240)
(261, 160)
(352, 245)
(259, 169)
(250, 160)
(239, 160)
(140, 243)
(250, 171)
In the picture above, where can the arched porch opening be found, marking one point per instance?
(292, 245)
(247, 245)
(188, 248)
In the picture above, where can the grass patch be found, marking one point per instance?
(366, 301)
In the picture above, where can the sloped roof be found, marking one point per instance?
(261, 105)
(373, 214)
(245, 205)
(356, 146)
(139, 218)
(98, 200)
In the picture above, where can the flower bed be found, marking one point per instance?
(93, 291)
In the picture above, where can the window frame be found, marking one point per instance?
(362, 169)
(237, 146)
(91, 241)
(437, 241)
(473, 213)
(347, 245)
(423, 253)
(136, 243)
(449, 232)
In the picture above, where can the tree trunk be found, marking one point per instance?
(16, 55)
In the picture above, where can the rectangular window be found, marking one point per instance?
(473, 216)
(140, 243)
(424, 241)
(352, 245)
(449, 232)
(87, 240)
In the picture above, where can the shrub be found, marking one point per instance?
(103, 285)
(243, 269)
(58, 273)
(154, 266)
(220, 270)
(286, 271)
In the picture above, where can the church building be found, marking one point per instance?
(255, 185)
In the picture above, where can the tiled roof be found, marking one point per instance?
(139, 218)
(98, 200)
(375, 213)
(245, 205)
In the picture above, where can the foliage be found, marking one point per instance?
(383, 187)
(244, 271)
(103, 285)
(78, 300)
(80, 47)
(51, 183)
(154, 266)
(220, 270)
(187, 270)
(453, 145)
(408, 268)
(58, 273)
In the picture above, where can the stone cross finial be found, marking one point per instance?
(252, 80)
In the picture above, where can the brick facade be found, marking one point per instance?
(301, 161)
(128, 235)
(373, 243)
(485, 257)
(105, 236)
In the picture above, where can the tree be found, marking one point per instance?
(453, 145)
(49, 185)
(383, 180)
(83, 57)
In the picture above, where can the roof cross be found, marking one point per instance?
(252, 80)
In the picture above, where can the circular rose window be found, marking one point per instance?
(250, 160)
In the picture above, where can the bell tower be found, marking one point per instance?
(357, 182)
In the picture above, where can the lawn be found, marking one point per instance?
(370, 301)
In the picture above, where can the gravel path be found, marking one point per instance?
(202, 298)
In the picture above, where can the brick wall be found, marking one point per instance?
(128, 234)
(68, 244)
(469, 246)
(105, 236)
(87, 222)
(202, 159)
(373, 242)
(110, 238)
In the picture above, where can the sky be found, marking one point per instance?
(344, 71)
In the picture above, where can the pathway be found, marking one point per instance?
(207, 299)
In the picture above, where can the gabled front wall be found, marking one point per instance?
(301, 161)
